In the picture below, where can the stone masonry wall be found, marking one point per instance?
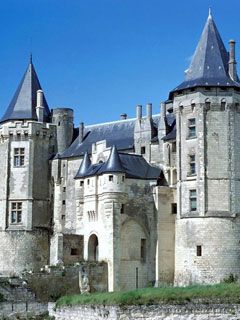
(58, 281)
(153, 312)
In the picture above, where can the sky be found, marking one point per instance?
(103, 57)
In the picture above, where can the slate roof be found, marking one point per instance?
(134, 166)
(23, 104)
(119, 133)
(209, 66)
(85, 165)
(171, 135)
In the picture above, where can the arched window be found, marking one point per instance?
(93, 248)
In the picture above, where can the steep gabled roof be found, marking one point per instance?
(23, 104)
(209, 66)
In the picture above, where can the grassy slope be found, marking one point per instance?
(221, 293)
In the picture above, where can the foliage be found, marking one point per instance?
(220, 293)
(230, 279)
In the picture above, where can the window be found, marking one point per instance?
(110, 178)
(174, 147)
(74, 252)
(143, 250)
(193, 200)
(64, 189)
(192, 164)
(199, 251)
(122, 210)
(16, 212)
(88, 181)
(64, 202)
(174, 208)
(123, 178)
(63, 216)
(18, 157)
(81, 183)
(143, 150)
(192, 128)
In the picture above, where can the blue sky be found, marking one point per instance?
(103, 57)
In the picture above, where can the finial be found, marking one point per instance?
(210, 13)
(30, 60)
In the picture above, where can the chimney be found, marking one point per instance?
(139, 112)
(149, 110)
(123, 116)
(40, 107)
(81, 132)
(232, 70)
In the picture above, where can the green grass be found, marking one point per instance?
(220, 293)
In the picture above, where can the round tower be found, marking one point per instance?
(207, 112)
(63, 119)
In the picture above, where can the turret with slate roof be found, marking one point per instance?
(207, 112)
(210, 64)
(24, 102)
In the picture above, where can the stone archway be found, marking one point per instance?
(93, 248)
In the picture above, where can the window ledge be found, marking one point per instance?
(191, 176)
(191, 138)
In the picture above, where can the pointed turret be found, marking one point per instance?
(85, 165)
(113, 164)
(24, 102)
(210, 62)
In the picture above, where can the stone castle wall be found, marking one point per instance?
(153, 312)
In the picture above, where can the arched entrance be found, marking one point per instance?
(93, 248)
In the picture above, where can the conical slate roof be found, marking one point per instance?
(23, 104)
(113, 163)
(85, 165)
(209, 66)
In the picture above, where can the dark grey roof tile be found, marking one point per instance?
(23, 104)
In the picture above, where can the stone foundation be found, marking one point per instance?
(154, 312)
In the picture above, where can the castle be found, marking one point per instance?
(157, 197)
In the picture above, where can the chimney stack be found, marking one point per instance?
(149, 110)
(139, 112)
(123, 116)
(232, 69)
(81, 131)
(40, 107)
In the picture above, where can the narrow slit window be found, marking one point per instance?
(110, 178)
(174, 208)
(122, 210)
(143, 150)
(199, 251)
(143, 250)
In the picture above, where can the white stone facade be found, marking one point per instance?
(166, 211)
